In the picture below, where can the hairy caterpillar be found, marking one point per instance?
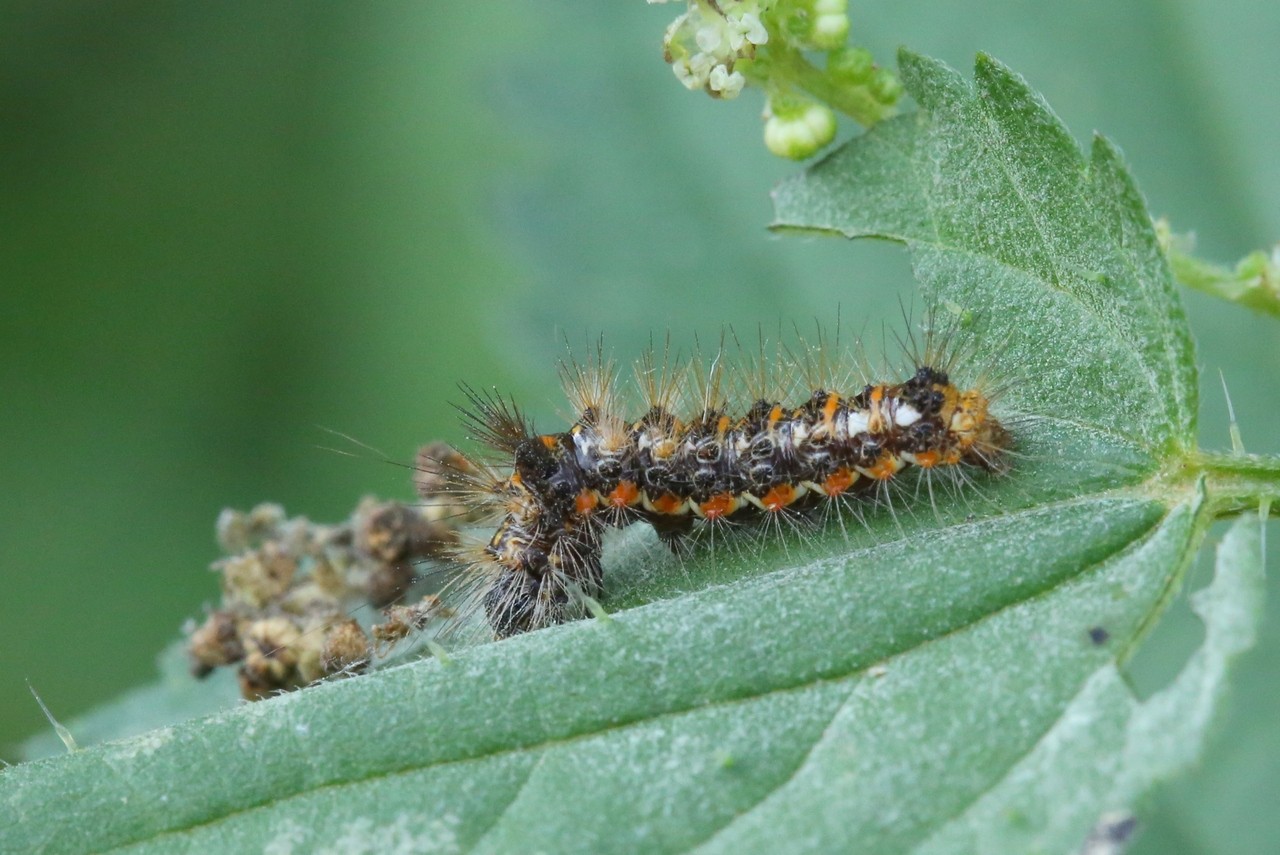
(795, 443)
(801, 440)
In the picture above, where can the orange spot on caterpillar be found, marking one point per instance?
(624, 495)
(719, 505)
(927, 459)
(829, 410)
(839, 481)
(778, 497)
(667, 504)
(885, 467)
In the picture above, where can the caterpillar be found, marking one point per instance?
(552, 495)
(798, 444)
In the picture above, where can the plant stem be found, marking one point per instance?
(1249, 284)
(1253, 283)
(1238, 482)
(790, 64)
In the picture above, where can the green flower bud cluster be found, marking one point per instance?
(854, 66)
(799, 129)
(721, 46)
(816, 24)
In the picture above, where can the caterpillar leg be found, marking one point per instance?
(521, 601)
(674, 531)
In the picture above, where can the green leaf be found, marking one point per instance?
(943, 674)
(1107, 748)
(1004, 215)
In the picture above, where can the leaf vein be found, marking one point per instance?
(515, 797)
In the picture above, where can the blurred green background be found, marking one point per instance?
(227, 226)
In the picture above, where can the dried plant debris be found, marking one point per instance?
(402, 621)
(291, 587)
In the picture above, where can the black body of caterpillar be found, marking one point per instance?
(565, 488)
